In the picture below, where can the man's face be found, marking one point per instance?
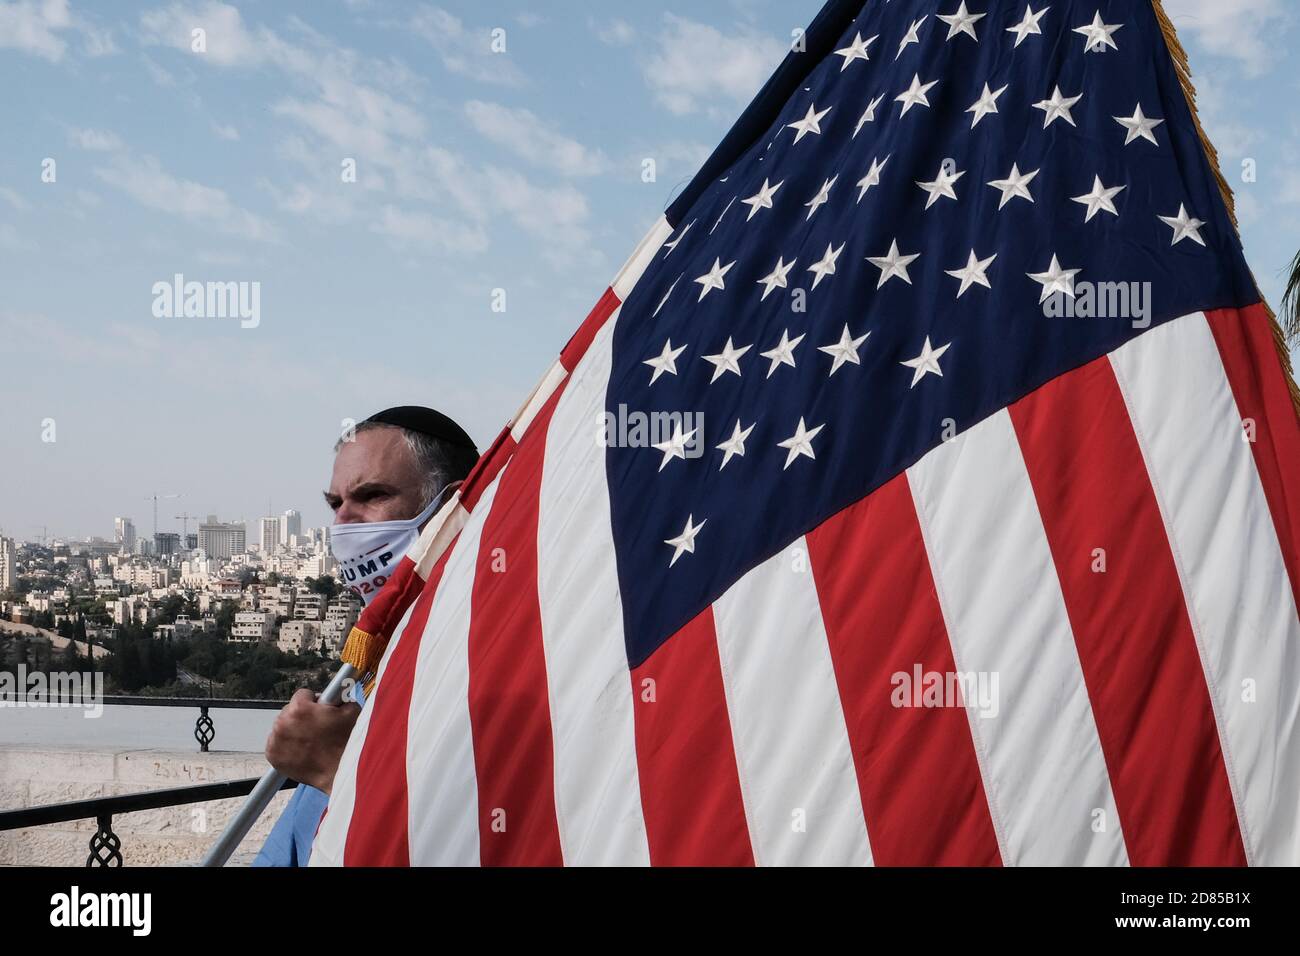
(375, 479)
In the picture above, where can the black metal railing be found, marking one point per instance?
(105, 845)
(204, 729)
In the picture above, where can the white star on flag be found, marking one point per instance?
(664, 300)
(1058, 107)
(961, 22)
(1029, 25)
(761, 199)
(893, 264)
(915, 94)
(1138, 126)
(675, 447)
(909, 38)
(665, 361)
(1184, 226)
(872, 178)
(1101, 198)
(845, 350)
(869, 114)
(973, 273)
(783, 354)
(713, 278)
(941, 186)
(1016, 185)
(823, 196)
(1055, 279)
(735, 445)
(926, 363)
(987, 103)
(684, 543)
(826, 266)
(777, 278)
(671, 246)
(857, 50)
(728, 360)
(811, 123)
(800, 443)
(1097, 35)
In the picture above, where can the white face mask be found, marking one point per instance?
(367, 552)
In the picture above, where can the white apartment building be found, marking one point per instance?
(309, 606)
(298, 636)
(252, 627)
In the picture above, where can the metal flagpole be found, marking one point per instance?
(260, 797)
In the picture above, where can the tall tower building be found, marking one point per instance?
(8, 560)
(290, 526)
(270, 535)
(220, 540)
(124, 534)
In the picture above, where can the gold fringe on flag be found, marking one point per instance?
(362, 650)
(1179, 55)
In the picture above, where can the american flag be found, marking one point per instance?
(936, 559)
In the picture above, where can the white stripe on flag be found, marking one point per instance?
(441, 782)
(636, 264)
(597, 789)
(327, 849)
(792, 746)
(1044, 771)
(1228, 557)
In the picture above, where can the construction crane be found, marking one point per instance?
(154, 498)
(184, 519)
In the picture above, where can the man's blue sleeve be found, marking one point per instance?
(289, 843)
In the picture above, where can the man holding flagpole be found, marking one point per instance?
(391, 475)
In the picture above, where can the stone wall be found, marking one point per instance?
(172, 836)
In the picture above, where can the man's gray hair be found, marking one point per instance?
(440, 462)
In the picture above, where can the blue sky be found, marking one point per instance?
(477, 170)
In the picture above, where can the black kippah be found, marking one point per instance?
(426, 421)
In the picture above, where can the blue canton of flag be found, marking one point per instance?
(875, 260)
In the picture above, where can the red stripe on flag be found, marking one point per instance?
(485, 469)
(577, 346)
(377, 830)
(690, 787)
(922, 793)
(509, 705)
(1245, 340)
(1136, 647)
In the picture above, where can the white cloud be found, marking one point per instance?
(94, 140)
(695, 65)
(346, 105)
(616, 32)
(1244, 30)
(524, 134)
(144, 180)
(40, 27)
(463, 50)
(227, 42)
(424, 231)
(33, 27)
(225, 132)
(12, 198)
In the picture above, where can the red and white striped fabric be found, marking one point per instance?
(507, 728)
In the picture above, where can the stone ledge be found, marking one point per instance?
(167, 837)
